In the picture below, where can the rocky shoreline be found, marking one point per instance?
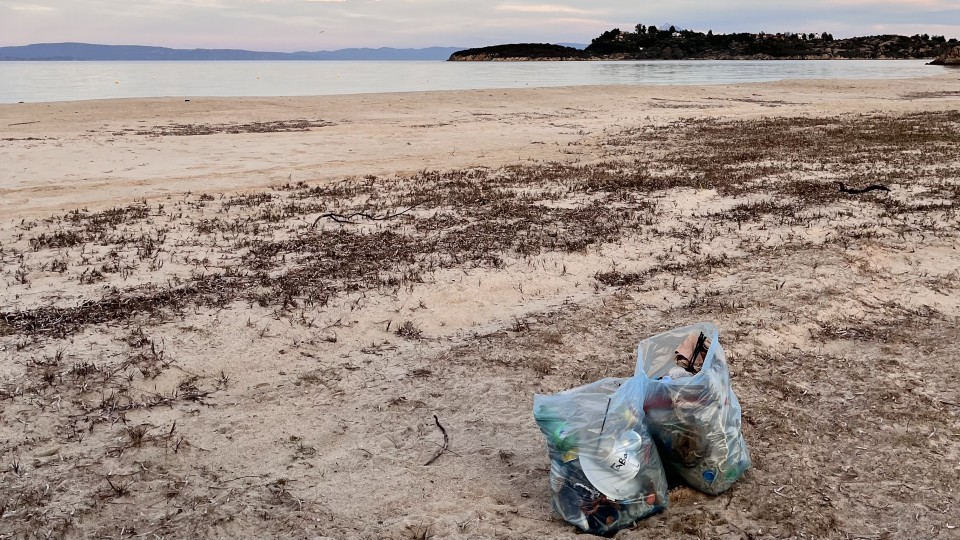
(612, 58)
(950, 58)
(557, 53)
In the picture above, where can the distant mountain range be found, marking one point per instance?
(87, 51)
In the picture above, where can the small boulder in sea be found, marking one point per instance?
(949, 58)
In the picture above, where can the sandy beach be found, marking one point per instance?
(59, 156)
(240, 317)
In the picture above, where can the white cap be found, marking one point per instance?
(615, 475)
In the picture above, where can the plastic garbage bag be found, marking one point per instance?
(691, 410)
(605, 473)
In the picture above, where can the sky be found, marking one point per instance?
(310, 25)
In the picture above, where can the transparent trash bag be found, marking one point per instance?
(691, 410)
(605, 473)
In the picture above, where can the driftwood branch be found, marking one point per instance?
(348, 218)
(855, 191)
(446, 442)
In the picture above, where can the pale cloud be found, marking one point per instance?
(288, 25)
(149, 4)
(545, 9)
(930, 4)
(35, 8)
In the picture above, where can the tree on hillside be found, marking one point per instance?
(608, 42)
(609, 35)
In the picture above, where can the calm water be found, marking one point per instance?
(60, 81)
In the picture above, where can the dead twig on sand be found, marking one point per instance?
(346, 218)
(446, 442)
(855, 191)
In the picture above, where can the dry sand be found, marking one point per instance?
(183, 354)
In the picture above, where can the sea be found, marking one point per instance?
(68, 81)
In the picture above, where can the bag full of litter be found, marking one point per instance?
(605, 473)
(691, 410)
